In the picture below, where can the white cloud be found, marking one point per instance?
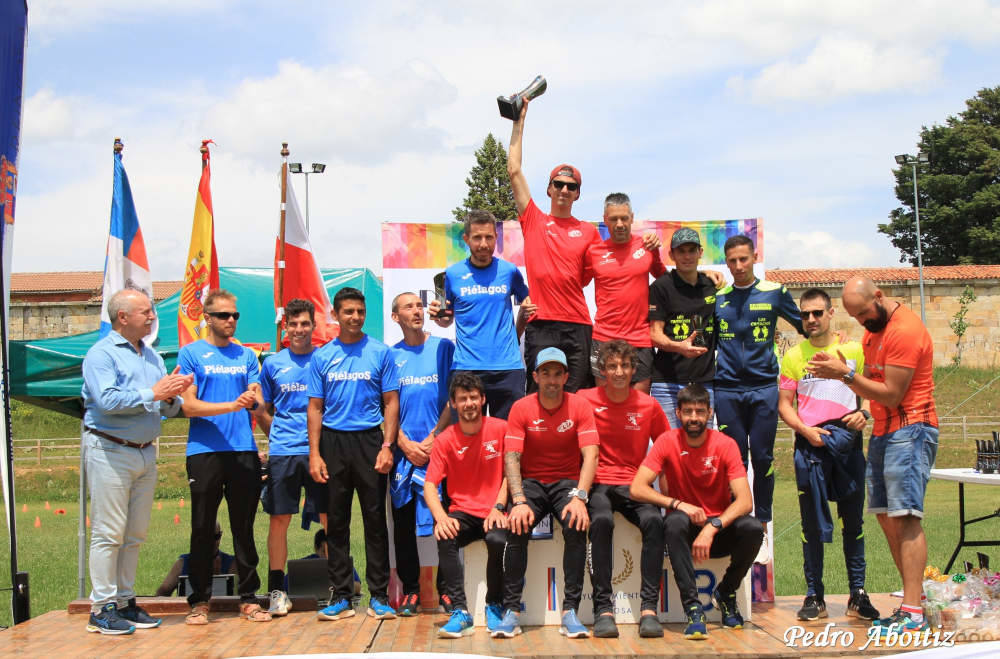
(817, 249)
(839, 67)
(49, 18)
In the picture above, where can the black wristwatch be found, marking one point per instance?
(866, 414)
(499, 506)
(716, 522)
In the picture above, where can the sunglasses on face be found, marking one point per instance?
(817, 314)
(224, 315)
(573, 187)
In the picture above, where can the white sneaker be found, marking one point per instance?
(280, 604)
(764, 553)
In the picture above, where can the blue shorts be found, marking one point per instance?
(899, 465)
(287, 475)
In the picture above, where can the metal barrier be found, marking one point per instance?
(68, 448)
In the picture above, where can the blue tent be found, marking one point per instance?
(47, 372)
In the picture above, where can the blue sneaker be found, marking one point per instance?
(107, 621)
(696, 629)
(380, 610)
(137, 615)
(900, 622)
(508, 627)
(729, 611)
(458, 625)
(494, 616)
(571, 626)
(336, 611)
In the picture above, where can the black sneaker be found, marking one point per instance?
(727, 608)
(860, 606)
(812, 608)
(409, 606)
(650, 627)
(136, 615)
(446, 604)
(107, 621)
(605, 627)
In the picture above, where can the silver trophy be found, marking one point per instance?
(510, 106)
(440, 295)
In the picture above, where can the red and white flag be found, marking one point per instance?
(302, 276)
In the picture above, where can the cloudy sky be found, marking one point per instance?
(789, 111)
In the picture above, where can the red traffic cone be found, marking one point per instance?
(159, 505)
(88, 521)
(38, 522)
(177, 519)
(181, 504)
(47, 506)
(24, 508)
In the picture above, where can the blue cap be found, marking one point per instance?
(550, 355)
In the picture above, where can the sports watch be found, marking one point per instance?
(848, 377)
(716, 522)
(579, 494)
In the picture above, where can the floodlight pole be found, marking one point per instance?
(317, 168)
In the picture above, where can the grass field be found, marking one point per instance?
(49, 553)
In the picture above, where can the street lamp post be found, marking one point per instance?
(906, 159)
(296, 168)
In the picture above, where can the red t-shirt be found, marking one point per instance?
(626, 430)
(904, 342)
(549, 441)
(473, 465)
(698, 476)
(621, 289)
(554, 249)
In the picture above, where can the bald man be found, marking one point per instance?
(898, 380)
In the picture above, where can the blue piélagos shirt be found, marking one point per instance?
(745, 323)
(220, 375)
(351, 378)
(283, 384)
(484, 319)
(118, 390)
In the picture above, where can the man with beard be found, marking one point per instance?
(469, 454)
(707, 499)
(547, 434)
(899, 381)
(828, 423)
(478, 291)
(424, 366)
(627, 419)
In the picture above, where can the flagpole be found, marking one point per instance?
(280, 302)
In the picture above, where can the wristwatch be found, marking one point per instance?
(716, 522)
(848, 377)
(579, 494)
(499, 506)
(866, 414)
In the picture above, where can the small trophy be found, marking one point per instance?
(698, 324)
(440, 296)
(510, 106)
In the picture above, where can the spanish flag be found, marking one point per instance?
(201, 273)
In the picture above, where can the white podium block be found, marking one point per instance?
(543, 582)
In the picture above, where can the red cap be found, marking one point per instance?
(566, 170)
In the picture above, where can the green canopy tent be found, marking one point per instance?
(47, 372)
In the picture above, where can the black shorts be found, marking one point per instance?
(288, 474)
(643, 362)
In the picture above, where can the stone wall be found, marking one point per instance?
(45, 320)
(981, 344)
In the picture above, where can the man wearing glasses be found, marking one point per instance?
(555, 244)
(828, 422)
(222, 455)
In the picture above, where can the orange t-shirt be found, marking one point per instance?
(904, 342)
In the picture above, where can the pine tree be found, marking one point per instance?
(489, 185)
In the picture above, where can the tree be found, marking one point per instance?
(489, 185)
(959, 189)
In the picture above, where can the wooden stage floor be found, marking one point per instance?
(59, 633)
